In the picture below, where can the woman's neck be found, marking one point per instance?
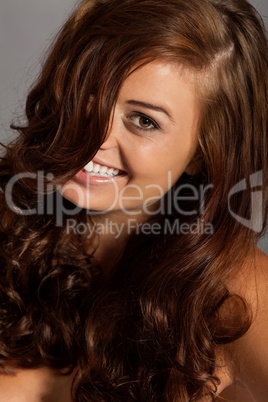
(113, 231)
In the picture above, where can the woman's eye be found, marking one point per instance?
(143, 122)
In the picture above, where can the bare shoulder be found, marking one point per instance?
(249, 354)
(35, 385)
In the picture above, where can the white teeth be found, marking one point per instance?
(96, 168)
(103, 169)
(100, 170)
(89, 167)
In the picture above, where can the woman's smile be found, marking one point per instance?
(97, 167)
(97, 172)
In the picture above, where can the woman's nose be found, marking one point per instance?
(111, 140)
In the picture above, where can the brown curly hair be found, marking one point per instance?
(151, 332)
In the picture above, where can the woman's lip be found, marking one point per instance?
(96, 160)
(88, 179)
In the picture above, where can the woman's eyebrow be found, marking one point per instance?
(150, 106)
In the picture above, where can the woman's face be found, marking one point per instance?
(152, 139)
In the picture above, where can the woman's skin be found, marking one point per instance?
(250, 352)
(35, 385)
(147, 144)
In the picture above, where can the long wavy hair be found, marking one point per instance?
(152, 331)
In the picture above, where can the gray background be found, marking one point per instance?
(26, 28)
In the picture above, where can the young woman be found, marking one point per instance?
(131, 204)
